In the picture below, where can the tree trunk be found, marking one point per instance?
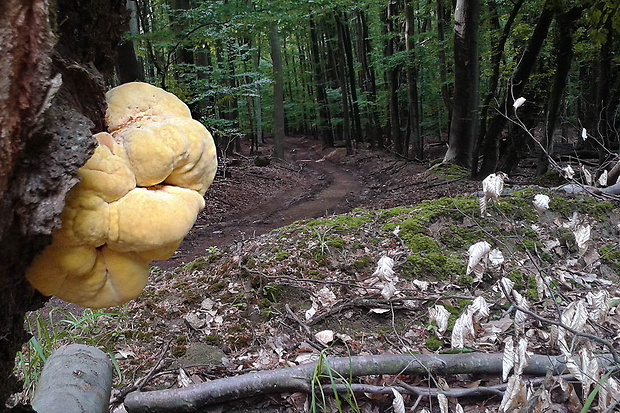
(466, 83)
(490, 145)
(564, 57)
(496, 58)
(415, 136)
(368, 82)
(278, 93)
(392, 79)
(443, 77)
(52, 102)
(321, 96)
(342, 80)
(602, 91)
(348, 51)
(128, 67)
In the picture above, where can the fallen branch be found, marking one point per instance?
(299, 378)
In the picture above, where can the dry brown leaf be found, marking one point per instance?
(508, 360)
(398, 404)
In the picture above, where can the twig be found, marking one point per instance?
(144, 380)
(574, 332)
(301, 323)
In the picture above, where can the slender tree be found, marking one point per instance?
(466, 83)
(278, 93)
(565, 21)
(490, 145)
(414, 135)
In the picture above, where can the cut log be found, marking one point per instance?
(75, 379)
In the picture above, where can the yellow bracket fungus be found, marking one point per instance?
(138, 196)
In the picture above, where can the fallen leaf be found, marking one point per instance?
(568, 172)
(384, 269)
(325, 337)
(602, 180)
(496, 257)
(541, 203)
(398, 404)
(508, 360)
(478, 253)
(515, 395)
(440, 315)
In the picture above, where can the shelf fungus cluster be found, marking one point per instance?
(138, 197)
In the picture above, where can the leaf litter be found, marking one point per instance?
(370, 282)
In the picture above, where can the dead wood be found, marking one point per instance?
(299, 378)
(76, 378)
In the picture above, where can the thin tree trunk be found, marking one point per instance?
(321, 96)
(348, 50)
(392, 79)
(232, 103)
(490, 146)
(564, 58)
(257, 100)
(415, 136)
(466, 83)
(369, 82)
(340, 66)
(602, 94)
(497, 54)
(128, 67)
(278, 93)
(441, 53)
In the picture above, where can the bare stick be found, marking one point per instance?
(299, 378)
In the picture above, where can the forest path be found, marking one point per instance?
(326, 187)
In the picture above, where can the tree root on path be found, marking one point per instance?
(300, 378)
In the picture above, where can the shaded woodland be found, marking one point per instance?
(403, 76)
(397, 74)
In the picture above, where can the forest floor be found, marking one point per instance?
(280, 269)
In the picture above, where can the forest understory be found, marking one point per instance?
(282, 269)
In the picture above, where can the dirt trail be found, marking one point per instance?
(327, 188)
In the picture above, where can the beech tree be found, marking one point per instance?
(466, 83)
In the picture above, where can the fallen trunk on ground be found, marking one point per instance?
(76, 378)
(299, 378)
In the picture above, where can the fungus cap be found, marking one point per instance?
(138, 196)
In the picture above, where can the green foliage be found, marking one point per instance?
(59, 328)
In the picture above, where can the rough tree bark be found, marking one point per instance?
(51, 102)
